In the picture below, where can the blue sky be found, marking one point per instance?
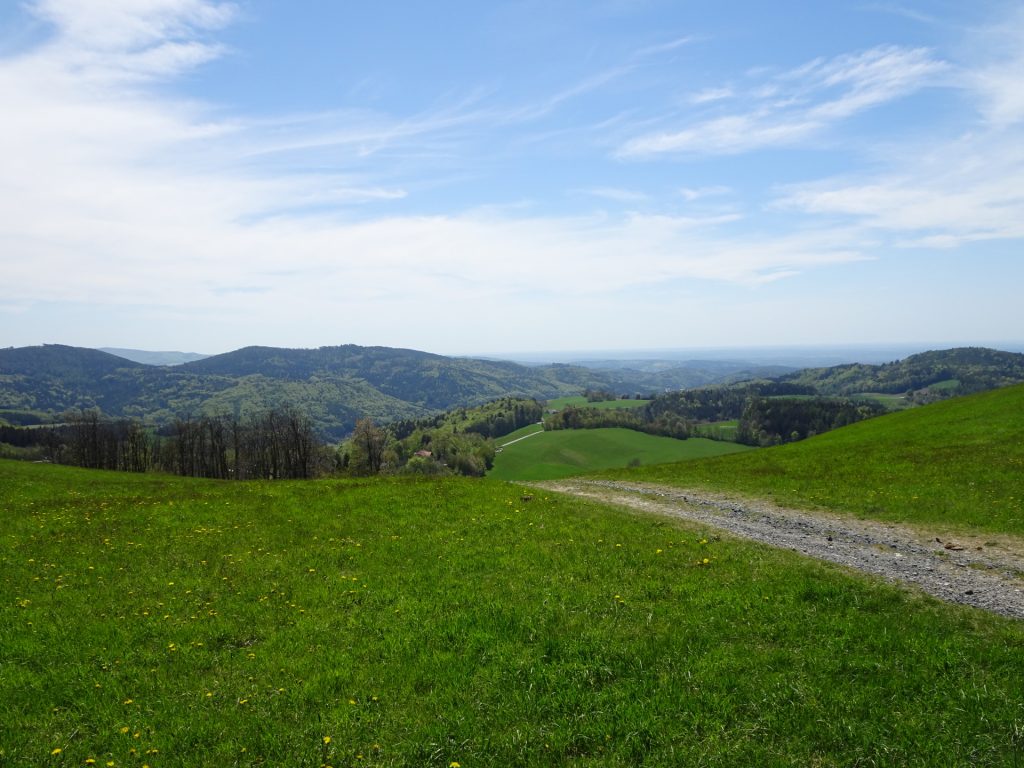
(466, 177)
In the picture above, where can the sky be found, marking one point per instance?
(486, 178)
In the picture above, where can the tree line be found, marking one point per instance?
(280, 443)
(275, 444)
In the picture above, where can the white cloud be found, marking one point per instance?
(696, 193)
(617, 194)
(709, 95)
(998, 81)
(946, 193)
(800, 103)
(955, 193)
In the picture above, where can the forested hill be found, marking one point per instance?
(432, 382)
(947, 372)
(334, 385)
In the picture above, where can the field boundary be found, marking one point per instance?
(986, 577)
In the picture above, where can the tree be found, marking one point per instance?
(367, 448)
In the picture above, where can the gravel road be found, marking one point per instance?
(982, 573)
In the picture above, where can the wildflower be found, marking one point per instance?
(125, 729)
(706, 561)
(327, 739)
(56, 751)
(90, 761)
(454, 764)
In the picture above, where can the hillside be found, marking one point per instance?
(950, 372)
(564, 453)
(958, 463)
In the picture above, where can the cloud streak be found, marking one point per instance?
(797, 104)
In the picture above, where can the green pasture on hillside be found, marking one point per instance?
(892, 402)
(954, 464)
(169, 622)
(582, 402)
(565, 452)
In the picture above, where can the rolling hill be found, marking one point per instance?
(958, 371)
(956, 463)
(334, 385)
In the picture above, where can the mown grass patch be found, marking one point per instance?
(171, 622)
(566, 452)
(954, 464)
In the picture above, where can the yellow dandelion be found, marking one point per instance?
(454, 764)
(90, 761)
(706, 561)
(327, 739)
(125, 729)
(56, 751)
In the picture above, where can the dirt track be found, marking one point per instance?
(983, 574)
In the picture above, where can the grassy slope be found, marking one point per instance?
(581, 402)
(958, 463)
(416, 623)
(562, 453)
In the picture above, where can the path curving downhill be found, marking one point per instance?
(981, 575)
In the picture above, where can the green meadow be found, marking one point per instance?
(579, 401)
(561, 453)
(956, 464)
(148, 620)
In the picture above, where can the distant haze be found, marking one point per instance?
(154, 358)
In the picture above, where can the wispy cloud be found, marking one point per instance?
(947, 192)
(660, 48)
(794, 105)
(696, 193)
(115, 194)
(998, 81)
(709, 95)
(617, 194)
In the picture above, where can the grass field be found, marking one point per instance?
(522, 432)
(169, 622)
(892, 402)
(565, 452)
(582, 402)
(954, 464)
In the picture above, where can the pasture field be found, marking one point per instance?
(955, 464)
(158, 621)
(581, 402)
(522, 432)
(892, 402)
(566, 452)
(719, 430)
